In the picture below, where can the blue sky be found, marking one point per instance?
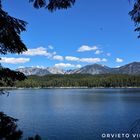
(92, 31)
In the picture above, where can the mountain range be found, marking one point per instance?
(131, 68)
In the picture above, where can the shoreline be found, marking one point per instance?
(18, 88)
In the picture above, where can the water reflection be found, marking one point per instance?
(73, 113)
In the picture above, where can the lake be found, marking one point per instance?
(73, 114)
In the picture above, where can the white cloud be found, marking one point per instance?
(67, 65)
(98, 52)
(78, 66)
(104, 60)
(92, 60)
(72, 58)
(40, 67)
(58, 57)
(40, 51)
(14, 60)
(117, 66)
(20, 67)
(108, 54)
(119, 60)
(50, 47)
(87, 48)
(88, 60)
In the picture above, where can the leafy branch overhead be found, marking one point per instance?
(10, 29)
(135, 15)
(53, 5)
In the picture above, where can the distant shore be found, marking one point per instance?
(8, 88)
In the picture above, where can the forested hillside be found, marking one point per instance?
(81, 80)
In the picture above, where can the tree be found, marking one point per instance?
(10, 42)
(8, 128)
(135, 15)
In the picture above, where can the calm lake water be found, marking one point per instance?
(73, 114)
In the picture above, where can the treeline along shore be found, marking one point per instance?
(80, 80)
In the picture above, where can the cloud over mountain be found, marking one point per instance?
(87, 60)
(119, 60)
(67, 65)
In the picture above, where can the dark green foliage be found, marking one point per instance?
(59, 4)
(37, 137)
(8, 128)
(10, 42)
(8, 77)
(10, 29)
(53, 5)
(135, 15)
(38, 3)
(81, 80)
